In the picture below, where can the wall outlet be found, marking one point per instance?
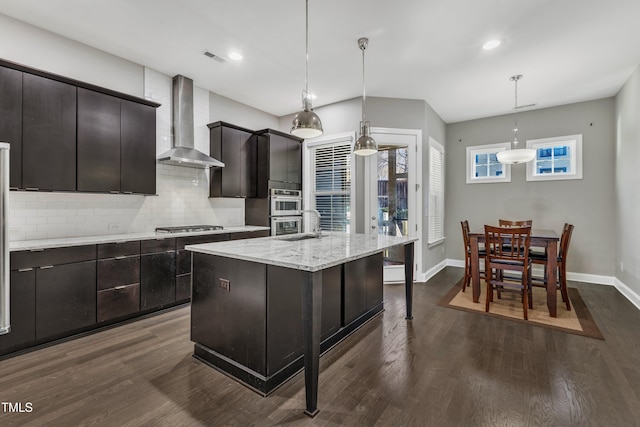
(621, 266)
(14, 231)
(225, 284)
(114, 226)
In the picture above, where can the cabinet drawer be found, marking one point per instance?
(250, 234)
(118, 272)
(52, 256)
(181, 242)
(157, 245)
(118, 249)
(118, 302)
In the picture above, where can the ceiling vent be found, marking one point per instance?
(214, 57)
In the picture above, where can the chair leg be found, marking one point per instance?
(467, 273)
(563, 285)
(489, 296)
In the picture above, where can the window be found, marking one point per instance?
(483, 164)
(436, 192)
(331, 187)
(556, 158)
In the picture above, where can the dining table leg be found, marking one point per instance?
(552, 271)
(475, 268)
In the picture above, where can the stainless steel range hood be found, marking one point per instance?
(183, 153)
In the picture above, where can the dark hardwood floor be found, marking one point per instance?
(444, 368)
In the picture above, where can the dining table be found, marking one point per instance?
(542, 238)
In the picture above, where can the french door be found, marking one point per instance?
(392, 194)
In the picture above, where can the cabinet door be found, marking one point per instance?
(23, 310)
(137, 148)
(294, 162)
(118, 302)
(65, 298)
(11, 120)
(355, 290)
(48, 134)
(278, 153)
(98, 142)
(374, 280)
(157, 279)
(238, 155)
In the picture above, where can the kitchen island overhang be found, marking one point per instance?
(248, 298)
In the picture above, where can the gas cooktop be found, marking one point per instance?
(187, 228)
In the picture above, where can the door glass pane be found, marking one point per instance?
(393, 198)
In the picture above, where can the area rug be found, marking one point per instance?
(578, 320)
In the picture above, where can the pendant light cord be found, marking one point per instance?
(306, 67)
(364, 93)
(515, 109)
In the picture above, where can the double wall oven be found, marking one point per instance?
(285, 211)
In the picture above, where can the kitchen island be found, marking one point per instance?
(265, 308)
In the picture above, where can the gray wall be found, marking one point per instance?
(627, 183)
(390, 113)
(587, 203)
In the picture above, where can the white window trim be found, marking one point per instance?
(308, 183)
(439, 239)
(575, 141)
(473, 150)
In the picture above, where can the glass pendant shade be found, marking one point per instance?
(365, 145)
(515, 156)
(306, 124)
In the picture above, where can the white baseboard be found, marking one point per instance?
(631, 295)
(627, 292)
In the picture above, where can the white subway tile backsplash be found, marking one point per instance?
(182, 193)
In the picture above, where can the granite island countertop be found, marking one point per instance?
(25, 245)
(308, 255)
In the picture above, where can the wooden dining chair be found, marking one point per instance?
(467, 255)
(514, 257)
(540, 257)
(515, 223)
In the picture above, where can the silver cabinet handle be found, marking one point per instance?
(45, 267)
(22, 270)
(32, 189)
(119, 287)
(121, 257)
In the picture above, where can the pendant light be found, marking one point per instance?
(516, 155)
(365, 145)
(306, 124)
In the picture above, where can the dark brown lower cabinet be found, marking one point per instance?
(157, 279)
(362, 286)
(23, 311)
(65, 298)
(118, 302)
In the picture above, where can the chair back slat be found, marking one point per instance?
(514, 223)
(507, 243)
(465, 234)
(565, 239)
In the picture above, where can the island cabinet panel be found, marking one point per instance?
(362, 286)
(22, 311)
(230, 322)
(331, 301)
(48, 134)
(65, 298)
(98, 142)
(11, 122)
(157, 273)
(183, 261)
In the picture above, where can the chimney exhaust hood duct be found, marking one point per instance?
(183, 153)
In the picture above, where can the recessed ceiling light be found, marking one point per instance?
(491, 44)
(235, 56)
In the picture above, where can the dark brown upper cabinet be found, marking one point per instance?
(279, 161)
(98, 142)
(67, 135)
(138, 148)
(48, 134)
(11, 120)
(236, 148)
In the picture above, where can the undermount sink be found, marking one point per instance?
(297, 237)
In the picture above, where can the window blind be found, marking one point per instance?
(332, 189)
(436, 193)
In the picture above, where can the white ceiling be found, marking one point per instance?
(567, 50)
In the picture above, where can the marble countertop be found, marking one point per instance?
(112, 238)
(309, 255)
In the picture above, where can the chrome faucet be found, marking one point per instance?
(317, 231)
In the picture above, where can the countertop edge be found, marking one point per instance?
(26, 245)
